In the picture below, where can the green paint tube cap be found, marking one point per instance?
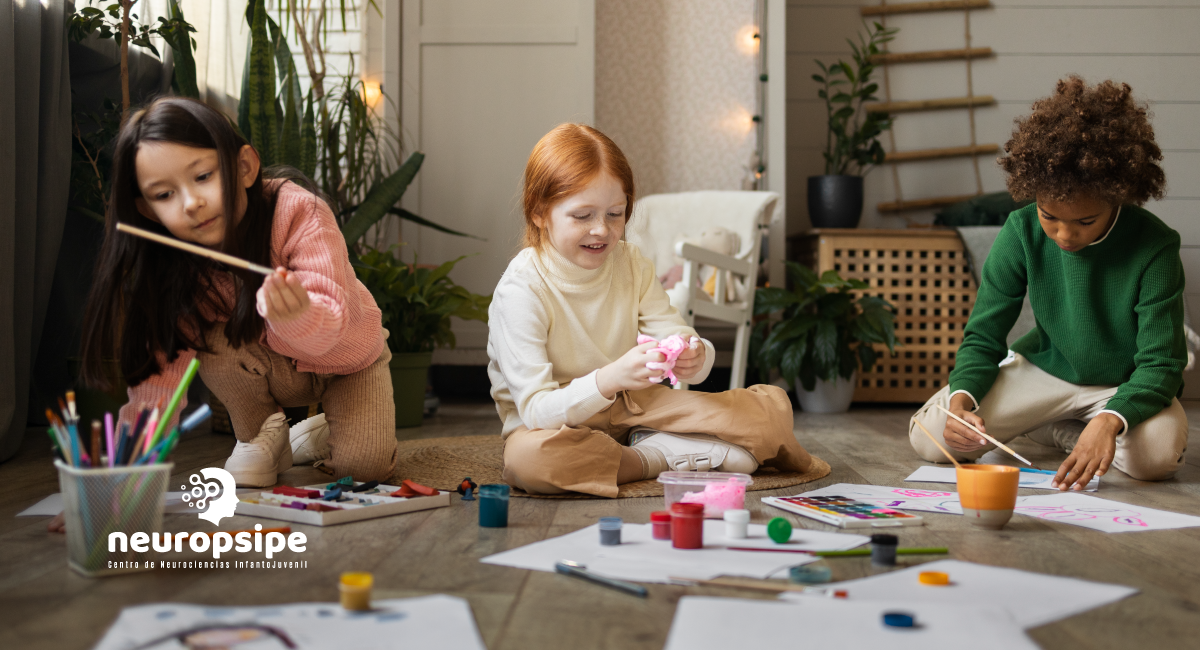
(779, 530)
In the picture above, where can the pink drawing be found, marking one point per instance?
(1131, 521)
(921, 494)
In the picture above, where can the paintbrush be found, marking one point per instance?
(939, 445)
(195, 250)
(989, 438)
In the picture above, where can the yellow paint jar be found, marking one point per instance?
(356, 590)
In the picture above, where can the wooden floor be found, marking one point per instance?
(44, 605)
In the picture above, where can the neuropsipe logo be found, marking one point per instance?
(219, 482)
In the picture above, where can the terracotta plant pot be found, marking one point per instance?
(988, 494)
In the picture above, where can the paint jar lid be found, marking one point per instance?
(610, 523)
(660, 516)
(810, 574)
(357, 579)
(688, 509)
(897, 619)
(737, 516)
(936, 578)
(779, 530)
(884, 539)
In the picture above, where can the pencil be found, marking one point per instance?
(989, 438)
(173, 405)
(95, 443)
(194, 249)
(934, 550)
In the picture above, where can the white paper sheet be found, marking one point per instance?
(1101, 514)
(1031, 480)
(642, 558)
(703, 623)
(427, 623)
(1032, 599)
(892, 497)
(173, 504)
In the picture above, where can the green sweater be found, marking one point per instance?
(1111, 313)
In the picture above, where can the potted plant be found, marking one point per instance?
(852, 148)
(822, 336)
(417, 303)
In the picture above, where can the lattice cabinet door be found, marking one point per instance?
(926, 277)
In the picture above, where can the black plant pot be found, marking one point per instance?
(835, 201)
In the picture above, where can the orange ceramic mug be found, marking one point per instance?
(988, 494)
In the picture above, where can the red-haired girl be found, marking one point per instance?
(581, 410)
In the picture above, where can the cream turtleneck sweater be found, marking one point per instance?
(552, 325)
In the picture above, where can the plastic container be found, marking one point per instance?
(883, 549)
(687, 525)
(355, 591)
(737, 522)
(610, 531)
(810, 574)
(97, 502)
(660, 524)
(718, 491)
(493, 505)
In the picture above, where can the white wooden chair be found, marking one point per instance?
(660, 221)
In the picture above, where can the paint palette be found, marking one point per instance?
(356, 506)
(844, 511)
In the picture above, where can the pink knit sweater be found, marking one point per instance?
(342, 330)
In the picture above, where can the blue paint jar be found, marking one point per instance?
(610, 531)
(493, 506)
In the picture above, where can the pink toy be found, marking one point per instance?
(670, 347)
(719, 497)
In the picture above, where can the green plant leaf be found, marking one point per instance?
(380, 199)
(183, 82)
(772, 299)
(261, 115)
(308, 139)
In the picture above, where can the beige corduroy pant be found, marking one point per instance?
(585, 458)
(1026, 400)
(254, 382)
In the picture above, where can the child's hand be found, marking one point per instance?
(630, 371)
(1092, 454)
(285, 297)
(58, 524)
(690, 362)
(958, 436)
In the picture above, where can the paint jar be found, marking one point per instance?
(493, 505)
(356, 591)
(810, 574)
(687, 525)
(736, 523)
(660, 524)
(610, 531)
(883, 549)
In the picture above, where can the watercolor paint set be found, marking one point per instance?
(340, 503)
(844, 512)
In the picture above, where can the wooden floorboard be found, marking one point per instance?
(44, 605)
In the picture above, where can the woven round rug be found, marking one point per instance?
(443, 462)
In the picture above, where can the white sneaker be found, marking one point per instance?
(310, 440)
(693, 452)
(259, 462)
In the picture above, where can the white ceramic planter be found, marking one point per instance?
(827, 396)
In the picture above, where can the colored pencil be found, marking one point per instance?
(194, 249)
(71, 403)
(935, 550)
(173, 405)
(108, 437)
(198, 416)
(989, 438)
(95, 443)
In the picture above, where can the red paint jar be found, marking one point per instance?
(660, 524)
(687, 525)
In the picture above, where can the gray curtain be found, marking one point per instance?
(35, 166)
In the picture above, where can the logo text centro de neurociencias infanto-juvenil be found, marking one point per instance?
(214, 495)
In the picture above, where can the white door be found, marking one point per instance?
(483, 80)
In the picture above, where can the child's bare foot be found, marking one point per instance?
(58, 524)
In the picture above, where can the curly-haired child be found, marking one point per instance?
(576, 391)
(1099, 375)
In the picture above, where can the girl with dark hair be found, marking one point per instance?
(1099, 376)
(309, 332)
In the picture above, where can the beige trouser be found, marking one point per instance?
(1028, 400)
(585, 458)
(254, 382)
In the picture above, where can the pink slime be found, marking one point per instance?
(670, 347)
(719, 497)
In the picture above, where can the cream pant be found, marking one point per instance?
(1027, 400)
(585, 458)
(253, 382)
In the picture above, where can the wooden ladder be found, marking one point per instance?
(969, 102)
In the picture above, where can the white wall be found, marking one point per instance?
(1151, 45)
